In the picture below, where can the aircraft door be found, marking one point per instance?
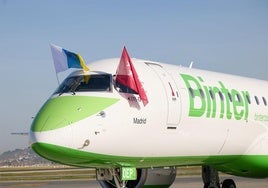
(172, 95)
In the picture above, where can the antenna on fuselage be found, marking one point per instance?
(191, 64)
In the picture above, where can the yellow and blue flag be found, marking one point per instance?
(64, 59)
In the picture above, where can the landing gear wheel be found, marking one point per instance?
(206, 185)
(228, 183)
(210, 177)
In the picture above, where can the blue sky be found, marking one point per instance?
(225, 36)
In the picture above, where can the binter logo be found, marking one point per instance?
(215, 101)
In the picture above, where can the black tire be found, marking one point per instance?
(207, 185)
(228, 183)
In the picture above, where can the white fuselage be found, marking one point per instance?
(166, 126)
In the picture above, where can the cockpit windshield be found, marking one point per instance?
(86, 83)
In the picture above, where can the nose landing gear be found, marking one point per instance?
(211, 179)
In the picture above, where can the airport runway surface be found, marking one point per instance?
(183, 182)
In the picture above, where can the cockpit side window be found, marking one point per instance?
(86, 83)
(124, 89)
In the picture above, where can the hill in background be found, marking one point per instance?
(22, 157)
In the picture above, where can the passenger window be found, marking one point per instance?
(211, 94)
(191, 92)
(264, 101)
(257, 100)
(248, 99)
(221, 96)
(202, 93)
(230, 97)
(238, 97)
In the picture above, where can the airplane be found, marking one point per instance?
(188, 117)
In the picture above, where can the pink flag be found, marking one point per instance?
(127, 76)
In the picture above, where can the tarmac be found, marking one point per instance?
(181, 181)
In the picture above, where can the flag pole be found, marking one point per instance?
(57, 78)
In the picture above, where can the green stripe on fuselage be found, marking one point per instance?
(61, 111)
(255, 166)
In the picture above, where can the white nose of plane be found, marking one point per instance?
(51, 131)
(51, 145)
(51, 127)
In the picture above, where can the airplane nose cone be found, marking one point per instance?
(50, 128)
(51, 132)
(62, 111)
(47, 120)
(51, 116)
(50, 125)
